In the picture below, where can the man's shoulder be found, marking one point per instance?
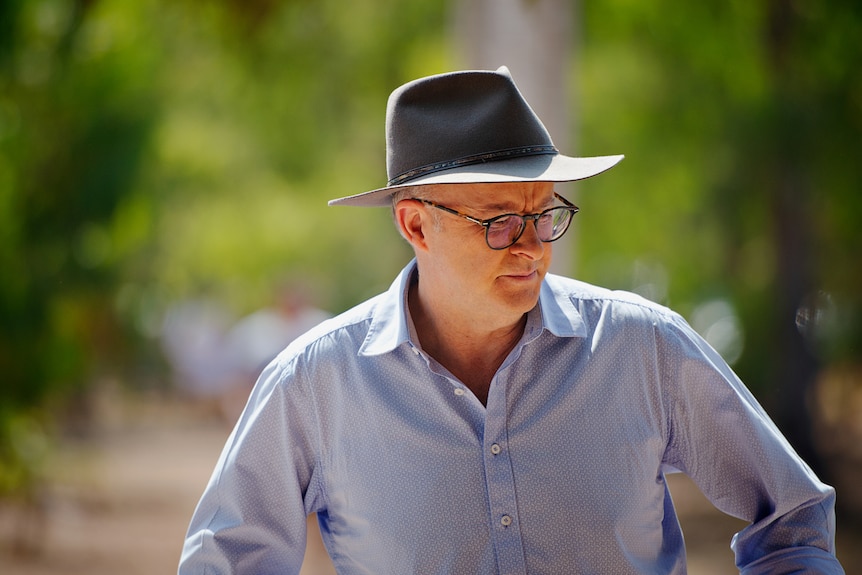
(584, 294)
(338, 331)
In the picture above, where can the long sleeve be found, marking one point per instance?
(561, 471)
(252, 515)
(726, 442)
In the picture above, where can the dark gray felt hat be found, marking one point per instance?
(465, 128)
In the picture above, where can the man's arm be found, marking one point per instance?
(252, 516)
(724, 440)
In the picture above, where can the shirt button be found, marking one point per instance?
(459, 391)
(505, 520)
(495, 448)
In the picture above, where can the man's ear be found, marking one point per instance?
(412, 221)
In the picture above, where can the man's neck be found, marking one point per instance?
(468, 349)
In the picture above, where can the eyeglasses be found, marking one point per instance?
(504, 230)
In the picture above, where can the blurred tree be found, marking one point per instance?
(268, 115)
(805, 129)
(533, 39)
(739, 122)
(75, 115)
(156, 151)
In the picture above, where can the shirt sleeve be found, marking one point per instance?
(252, 515)
(723, 439)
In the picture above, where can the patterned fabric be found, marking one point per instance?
(562, 472)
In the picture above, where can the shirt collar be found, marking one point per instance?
(389, 328)
(560, 315)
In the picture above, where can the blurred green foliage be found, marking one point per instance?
(741, 122)
(712, 104)
(153, 151)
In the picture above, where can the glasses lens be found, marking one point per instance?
(553, 223)
(502, 232)
(550, 225)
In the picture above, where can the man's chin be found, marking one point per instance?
(523, 300)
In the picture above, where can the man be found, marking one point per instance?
(483, 416)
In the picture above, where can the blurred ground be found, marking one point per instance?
(121, 499)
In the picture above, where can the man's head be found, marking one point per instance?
(471, 183)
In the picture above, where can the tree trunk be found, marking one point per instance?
(793, 364)
(533, 38)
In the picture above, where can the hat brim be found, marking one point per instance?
(539, 168)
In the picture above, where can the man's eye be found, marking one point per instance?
(503, 222)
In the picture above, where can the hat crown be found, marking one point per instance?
(470, 127)
(460, 118)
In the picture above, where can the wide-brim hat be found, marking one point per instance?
(469, 127)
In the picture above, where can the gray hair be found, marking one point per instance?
(420, 192)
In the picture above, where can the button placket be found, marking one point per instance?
(501, 481)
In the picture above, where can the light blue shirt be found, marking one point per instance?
(562, 473)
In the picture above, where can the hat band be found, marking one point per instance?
(476, 159)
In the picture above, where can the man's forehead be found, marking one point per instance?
(500, 196)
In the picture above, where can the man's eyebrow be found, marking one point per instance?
(496, 207)
(508, 209)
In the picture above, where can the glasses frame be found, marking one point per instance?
(569, 206)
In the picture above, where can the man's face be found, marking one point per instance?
(492, 285)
